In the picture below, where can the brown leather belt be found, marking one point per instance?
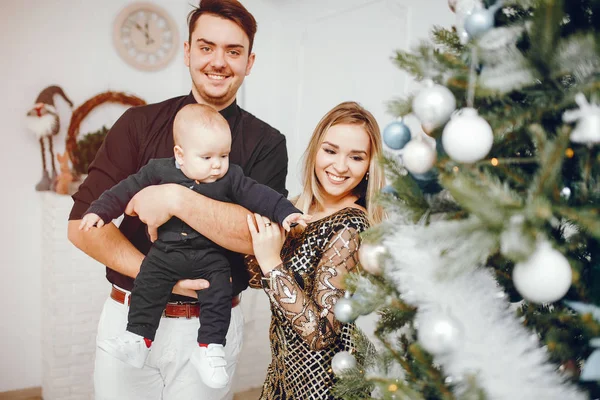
(172, 310)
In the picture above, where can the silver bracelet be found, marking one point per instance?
(268, 279)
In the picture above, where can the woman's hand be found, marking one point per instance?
(267, 240)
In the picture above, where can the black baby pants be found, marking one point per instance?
(167, 263)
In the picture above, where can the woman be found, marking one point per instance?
(305, 278)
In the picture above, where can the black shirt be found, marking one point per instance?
(146, 132)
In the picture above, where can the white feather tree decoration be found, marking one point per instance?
(504, 356)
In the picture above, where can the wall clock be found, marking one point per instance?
(145, 36)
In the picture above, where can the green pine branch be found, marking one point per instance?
(544, 35)
(483, 195)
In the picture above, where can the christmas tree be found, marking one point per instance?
(486, 276)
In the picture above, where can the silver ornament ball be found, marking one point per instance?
(439, 333)
(418, 156)
(370, 257)
(433, 105)
(479, 22)
(342, 362)
(344, 310)
(545, 277)
(467, 138)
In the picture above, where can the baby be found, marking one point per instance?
(202, 144)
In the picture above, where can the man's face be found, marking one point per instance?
(218, 59)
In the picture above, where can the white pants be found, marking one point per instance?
(168, 374)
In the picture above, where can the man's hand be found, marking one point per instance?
(153, 205)
(188, 287)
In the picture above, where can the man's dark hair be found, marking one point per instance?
(232, 10)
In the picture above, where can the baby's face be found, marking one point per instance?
(206, 157)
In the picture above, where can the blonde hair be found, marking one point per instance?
(344, 113)
(197, 115)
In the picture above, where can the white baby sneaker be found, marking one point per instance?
(128, 347)
(210, 363)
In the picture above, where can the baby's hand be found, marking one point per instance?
(296, 218)
(89, 220)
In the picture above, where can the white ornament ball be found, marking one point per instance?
(433, 105)
(344, 310)
(418, 156)
(370, 258)
(439, 333)
(545, 277)
(467, 138)
(342, 362)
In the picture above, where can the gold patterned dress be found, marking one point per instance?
(304, 333)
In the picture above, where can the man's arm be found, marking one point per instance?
(123, 257)
(223, 223)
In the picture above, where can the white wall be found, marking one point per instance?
(68, 43)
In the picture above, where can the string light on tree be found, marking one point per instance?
(545, 277)
(587, 116)
(396, 135)
(433, 105)
(467, 138)
(569, 153)
(342, 362)
(439, 332)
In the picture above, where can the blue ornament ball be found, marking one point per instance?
(389, 189)
(396, 135)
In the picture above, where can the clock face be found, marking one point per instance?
(146, 36)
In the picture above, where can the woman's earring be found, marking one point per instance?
(367, 176)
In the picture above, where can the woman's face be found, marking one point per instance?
(342, 160)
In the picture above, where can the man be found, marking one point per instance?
(219, 56)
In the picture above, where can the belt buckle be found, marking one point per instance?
(170, 303)
(188, 308)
